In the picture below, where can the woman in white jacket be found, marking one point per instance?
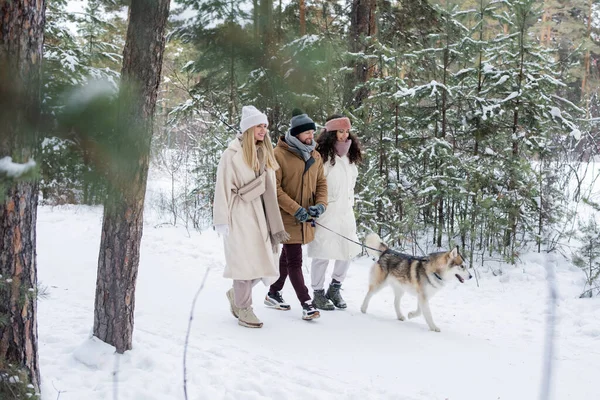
(246, 213)
(341, 151)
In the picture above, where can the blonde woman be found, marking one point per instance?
(246, 213)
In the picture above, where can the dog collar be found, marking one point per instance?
(437, 276)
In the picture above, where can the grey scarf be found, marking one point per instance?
(303, 150)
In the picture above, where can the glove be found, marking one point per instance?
(222, 229)
(316, 210)
(301, 215)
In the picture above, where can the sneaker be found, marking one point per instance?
(275, 300)
(333, 294)
(248, 319)
(235, 311)
(309, 311)
(322, 302)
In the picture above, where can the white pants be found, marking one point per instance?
(242, 292)
(318, 269)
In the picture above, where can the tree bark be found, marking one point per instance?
(302, 18)
(362, 24)
(21, 40)
(266, 29)
(123, 210)
(586, 61)
(255, 13)
(511, 233)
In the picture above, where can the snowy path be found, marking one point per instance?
(490, 347)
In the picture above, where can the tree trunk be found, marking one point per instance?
(279, 22)
(362, 24)
(266, 29)
(123, 210)
(255, 20)
(232, 86)
(302, 18)
(21, 40)
(586, 61)
(511, 233)
(440, 212)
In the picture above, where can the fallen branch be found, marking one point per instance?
(187, 335)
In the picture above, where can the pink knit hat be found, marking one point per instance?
(338, 123)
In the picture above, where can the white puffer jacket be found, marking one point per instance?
(339, 215)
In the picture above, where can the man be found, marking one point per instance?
(302, 195)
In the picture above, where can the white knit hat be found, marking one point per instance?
(252, 117)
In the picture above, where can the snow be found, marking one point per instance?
(488, 68)
(427, 190)
(69, 60)
(596, 15)
(411, 92)
(80, 97)
(511, 96)
(555, 112)
(75, 7)
(491, 345)
(304, 42)
(502, 79)
(14, 170)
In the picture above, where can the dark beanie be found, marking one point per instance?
(300, 122)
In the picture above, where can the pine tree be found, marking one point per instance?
(69, 172)
(122, 224)
(21, 41)
(588, 256)
(363, 27)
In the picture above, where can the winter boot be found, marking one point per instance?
(235, 311)
(275, 300)
(333, 294)
(248, 319)
(309, 311)
(322, 302)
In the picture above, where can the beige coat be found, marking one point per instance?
(296, 188)
(248, 249)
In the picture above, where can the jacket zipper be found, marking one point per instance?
(301, 198)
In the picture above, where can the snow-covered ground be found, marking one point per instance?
(491, 345)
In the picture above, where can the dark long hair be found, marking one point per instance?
(326, 145)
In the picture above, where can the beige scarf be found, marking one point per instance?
(273, 215)
(271, 205)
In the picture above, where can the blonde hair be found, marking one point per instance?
(250, 151)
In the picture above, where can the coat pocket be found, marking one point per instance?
(253, 189)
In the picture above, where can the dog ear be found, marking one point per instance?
(454, 253)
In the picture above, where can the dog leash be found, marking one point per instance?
(314, 222)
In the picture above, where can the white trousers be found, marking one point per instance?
(242, 292)
(318, 269)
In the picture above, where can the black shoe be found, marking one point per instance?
(275, 300)
(333, 294)
(309, 311)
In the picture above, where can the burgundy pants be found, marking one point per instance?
(290, 264)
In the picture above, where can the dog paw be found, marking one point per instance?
(434, 329)
(363, 310)
(413, 314)
(401, 317)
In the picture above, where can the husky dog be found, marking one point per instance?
(421, 276)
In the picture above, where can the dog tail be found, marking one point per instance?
(374, 241)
